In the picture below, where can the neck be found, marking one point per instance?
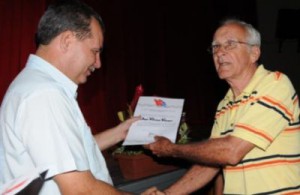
(50, 54)
(42, 52)
(238, 85)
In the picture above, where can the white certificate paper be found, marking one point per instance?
(160, 116)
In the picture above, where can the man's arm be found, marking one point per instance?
(114, 135)
(218, 185)
(83, 182)
(227, 150)
(196, 177)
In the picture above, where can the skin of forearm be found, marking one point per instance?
(112, 136)
(107, 138)
(196, 178)
(215, 152)
(83, 182)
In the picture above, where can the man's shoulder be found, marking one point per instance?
(270, 78)
(28, 81)
(272, 75)
(32, 86)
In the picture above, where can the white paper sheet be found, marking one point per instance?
(160, 116)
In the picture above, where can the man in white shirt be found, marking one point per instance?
(41, 124)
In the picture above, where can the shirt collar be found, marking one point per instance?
(42, 65)
(260, 72)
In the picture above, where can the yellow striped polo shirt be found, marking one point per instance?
(267, 115)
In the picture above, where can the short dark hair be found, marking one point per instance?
(66, 15)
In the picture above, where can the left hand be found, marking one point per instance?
(161, 147)
(153, 191)
(123, 127)
(110, 137)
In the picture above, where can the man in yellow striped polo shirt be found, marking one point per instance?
(255, 140)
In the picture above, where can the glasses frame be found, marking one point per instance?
(227, 46)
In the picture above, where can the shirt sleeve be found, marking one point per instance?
(269, 115)
(49, 128)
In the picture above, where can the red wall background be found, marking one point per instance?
(159, 44)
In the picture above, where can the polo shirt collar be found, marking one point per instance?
(259, 73)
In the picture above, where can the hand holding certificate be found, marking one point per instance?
(159, 116)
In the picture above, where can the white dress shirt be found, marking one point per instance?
(43, 127)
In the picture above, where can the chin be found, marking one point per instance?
(223, 75)
(82, 81)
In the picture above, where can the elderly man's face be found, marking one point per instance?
(233, 56)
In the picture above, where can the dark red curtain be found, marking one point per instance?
(18, 21)
(159, 44)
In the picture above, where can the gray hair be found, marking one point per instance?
(253, 36)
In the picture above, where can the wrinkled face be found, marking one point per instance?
(233, 56)
(85, 55)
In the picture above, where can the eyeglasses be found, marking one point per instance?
(229, 45)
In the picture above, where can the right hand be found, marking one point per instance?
(161, 147)
(153, 191)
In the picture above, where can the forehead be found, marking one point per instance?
(229, 32)
(96, 31)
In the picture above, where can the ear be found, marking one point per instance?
(66, 39)
(255, 54)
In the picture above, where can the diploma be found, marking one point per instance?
(159, 116)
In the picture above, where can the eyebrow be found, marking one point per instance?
(214, 42)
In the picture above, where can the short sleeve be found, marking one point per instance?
(266, 117)
(50, 132)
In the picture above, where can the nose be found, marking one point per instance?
(97, 62)
(220, 51)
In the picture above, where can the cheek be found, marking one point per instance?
(90, 58)
(80, 64)
(216, 65)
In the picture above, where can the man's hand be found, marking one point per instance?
(153, 191)
(161, 147)
(122, 128)
(110, 137)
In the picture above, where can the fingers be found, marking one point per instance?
(136, 118)
(153, 191)
(157, 138)
(149, 191)
(153, 145)
(127, 123)
(133, 119)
